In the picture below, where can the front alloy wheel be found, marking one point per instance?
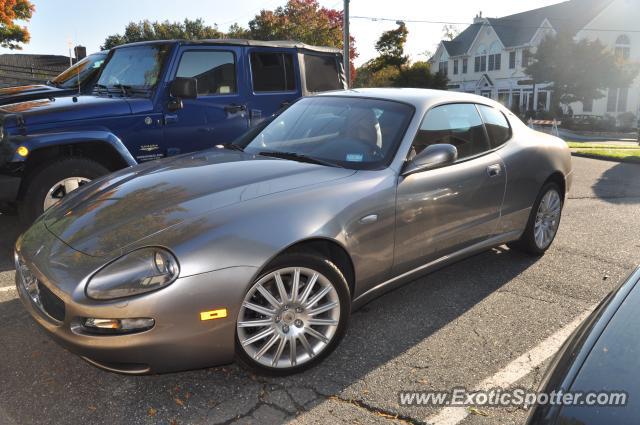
(547, 219)
(292, 316)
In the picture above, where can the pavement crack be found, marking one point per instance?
(387, 414)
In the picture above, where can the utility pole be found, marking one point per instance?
(345, 41)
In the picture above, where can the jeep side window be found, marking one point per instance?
(272, 72)
(214, 70)
(321, 73)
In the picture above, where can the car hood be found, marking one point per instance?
(106, 217)
(9, 92)
(44, 111)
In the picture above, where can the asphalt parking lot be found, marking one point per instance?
(461, 326)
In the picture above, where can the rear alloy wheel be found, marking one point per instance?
(292, 316)
(543, 223)
(52, 183)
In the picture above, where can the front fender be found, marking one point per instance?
(39, 141)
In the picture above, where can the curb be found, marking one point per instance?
(635, 160)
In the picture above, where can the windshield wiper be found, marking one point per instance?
(124, 89)
(299, 157)
(99, 87)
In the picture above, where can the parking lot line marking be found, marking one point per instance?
(7, 288)
(514, 371)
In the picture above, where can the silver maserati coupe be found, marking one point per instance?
(259, 250)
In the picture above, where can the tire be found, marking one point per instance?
(527, 242)
(290, 321)
(44, 180)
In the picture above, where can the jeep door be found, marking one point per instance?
(444, 210)
(274, 81)
(219, 113)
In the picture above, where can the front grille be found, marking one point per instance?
(51, 303)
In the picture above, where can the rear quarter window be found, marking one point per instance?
(497, 125)
(322, 73)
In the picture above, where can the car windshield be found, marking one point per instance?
(132, 70)
(349, 132)
(82, 71)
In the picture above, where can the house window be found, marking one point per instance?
(587, 105)
(623, 48)
(512, 60)
(495, 62)
(617, 100)
(526, 58)
(455, 67)
(623, 95)
(443, 67)
(465, 65)
(476, 67)
(483, 63)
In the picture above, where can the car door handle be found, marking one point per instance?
(494, 170)
(170, 119)
(233, 108)
(372, 218)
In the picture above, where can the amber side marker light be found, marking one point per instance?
(22, 151)
(220, 313)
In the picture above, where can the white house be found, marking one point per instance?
(489, 56)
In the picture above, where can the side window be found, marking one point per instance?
(457, 124)
(321, 73)
(497, 125)
(214, 70)
(272, 72)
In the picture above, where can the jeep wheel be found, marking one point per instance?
(50, 184)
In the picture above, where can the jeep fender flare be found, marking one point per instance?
(37, 142)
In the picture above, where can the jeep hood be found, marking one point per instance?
(45, 111)
(108, 215)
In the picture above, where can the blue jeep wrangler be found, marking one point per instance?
(153, 99)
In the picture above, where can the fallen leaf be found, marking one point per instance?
(475, 411)
(152, 412)
(92, 408)
(179, 402)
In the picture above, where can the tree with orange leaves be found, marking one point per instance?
(11, 34)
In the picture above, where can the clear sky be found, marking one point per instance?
(88, 22)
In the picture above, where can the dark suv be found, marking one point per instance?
(153, 99)
(77, 79)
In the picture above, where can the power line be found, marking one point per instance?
(425, 21)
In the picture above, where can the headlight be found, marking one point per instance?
(137, 272)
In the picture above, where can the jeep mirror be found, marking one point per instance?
(184, 88)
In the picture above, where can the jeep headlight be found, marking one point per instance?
(138, 272)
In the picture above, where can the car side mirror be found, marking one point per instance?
(184, 88)
(432, 157)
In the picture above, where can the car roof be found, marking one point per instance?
(287, 44)
(419, 98)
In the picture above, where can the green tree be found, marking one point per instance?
(392, 69)
(147, 30)
(11, 34)
(578, 71)
(390, 47)
(419, 75)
